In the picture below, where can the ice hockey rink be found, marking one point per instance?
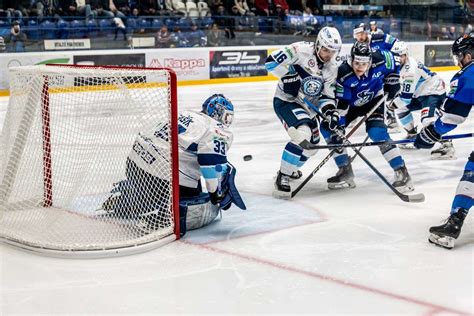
(359, 251)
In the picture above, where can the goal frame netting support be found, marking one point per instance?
(10, 166)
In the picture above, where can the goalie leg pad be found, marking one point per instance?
(196, 212)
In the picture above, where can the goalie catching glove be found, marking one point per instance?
(228, 193)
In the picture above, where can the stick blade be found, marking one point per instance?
(413, 198)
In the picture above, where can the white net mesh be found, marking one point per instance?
(66, 183)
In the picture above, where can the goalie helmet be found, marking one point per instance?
(329, 38)
(400, 48)
(219, 108)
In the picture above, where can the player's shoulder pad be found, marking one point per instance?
(344, 71)
(192, 126)
(378, 58)
(303, 47)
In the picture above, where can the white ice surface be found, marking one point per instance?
(353, 251)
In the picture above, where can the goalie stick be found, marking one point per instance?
(416, 198)
(378, 143)
(294, 134)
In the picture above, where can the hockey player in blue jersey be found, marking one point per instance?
(203, 142)
(306, 70)
(361, 83)
(378, 41)
(456, 109)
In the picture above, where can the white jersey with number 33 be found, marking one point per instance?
(203, 145)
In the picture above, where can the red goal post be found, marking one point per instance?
(66, 137)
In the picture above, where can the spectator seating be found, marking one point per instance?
(179, 6)
(192, 9)
(203, 8)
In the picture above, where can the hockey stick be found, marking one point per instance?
(294, 134)
(360, 147)
(419, 197)
(378, 143)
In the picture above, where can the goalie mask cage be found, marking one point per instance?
(67, 135)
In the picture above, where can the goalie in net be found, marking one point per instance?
(203, 139)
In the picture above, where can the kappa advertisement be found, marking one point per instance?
(237, 63)
(188, 66)
(438, 55)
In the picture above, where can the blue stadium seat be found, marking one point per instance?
(171, 24)
(48, 29)
(4, 31)
(32, 30)
(63, 29)
(143, 23)
(184, 24)
(132, 24)
(92, 28)
(105, 26)
(77, 29)
(156, 24)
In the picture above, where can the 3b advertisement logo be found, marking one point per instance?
(238, 58)
(230, 64)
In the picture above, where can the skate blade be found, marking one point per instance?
(444, 157)
(395, 130)
(442, 241)
(407, 146)
(341, 185)
(281, 195)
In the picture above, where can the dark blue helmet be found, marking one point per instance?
(463, 45)
(361, 51)
(219, 108)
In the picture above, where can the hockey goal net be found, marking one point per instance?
(65, 141)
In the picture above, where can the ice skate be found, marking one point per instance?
(444, 152)
(282, 186)
(411, 135)
(148, 223)
(445, 235)
(108, 206)
(403, 180)
(344, 178)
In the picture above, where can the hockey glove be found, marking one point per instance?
(291, 84)
(427, 137)
(392, 86)
(333, 117)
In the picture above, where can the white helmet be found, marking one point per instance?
(400, 48)
(329, 38)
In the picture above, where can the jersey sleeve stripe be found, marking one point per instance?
(211, 159)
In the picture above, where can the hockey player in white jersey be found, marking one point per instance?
(308, 70)
(422, 90)
(204, 139)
